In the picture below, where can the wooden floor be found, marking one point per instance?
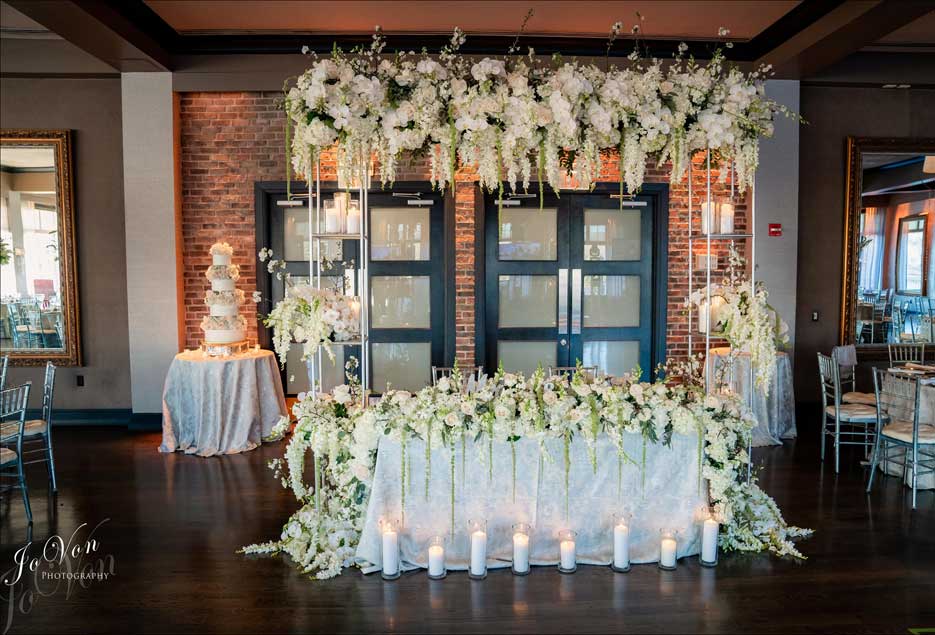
(174, 523)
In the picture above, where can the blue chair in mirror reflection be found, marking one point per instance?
(903, 439)
(32, 326)
(568, 371)
(37, 433)
(901, 354)
(4, 365)
(846, 423)
(13, 404)
(445, 371)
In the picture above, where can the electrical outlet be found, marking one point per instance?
(814, 316)
(79, 380)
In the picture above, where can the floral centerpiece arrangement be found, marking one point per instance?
(321, 537)
(307, 315)
(741, 314)
(519, 118)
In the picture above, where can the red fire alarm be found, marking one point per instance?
(775, 229)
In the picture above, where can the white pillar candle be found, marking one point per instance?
(621, 546)
(390, 553)
(353, 219)
(709, 540)
(436, 561)
(667, 552)
(709, 224)
(568, 554)
(478, 553)
(520, 552)
(332, 220)
(726, 218)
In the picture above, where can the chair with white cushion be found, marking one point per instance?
(13, 404)
(569, 371)
(898, 403)
(446, 371)
(847, 423)
(38, 432)
(846, 359)
(905, 353)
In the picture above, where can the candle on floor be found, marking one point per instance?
(621, 544)
(668, 548)
(567, 562)
(437, 558)
(478, 570)
(390, 531)
(709, 535)
(521, 533)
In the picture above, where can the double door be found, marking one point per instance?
(571, 282)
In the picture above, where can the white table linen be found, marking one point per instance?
(220, 405)
(774, 410)
(670, 498)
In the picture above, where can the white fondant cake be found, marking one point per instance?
(223, 324)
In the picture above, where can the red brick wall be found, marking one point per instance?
(231, 140)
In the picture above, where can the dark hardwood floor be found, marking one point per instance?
(174, 523)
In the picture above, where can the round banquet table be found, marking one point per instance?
(220, 405)
(775, 410)
(926, 415)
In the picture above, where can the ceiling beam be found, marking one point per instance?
(95, 27)
(149, 22)
(841, 32)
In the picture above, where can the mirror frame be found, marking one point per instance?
(856, 148)
(60, 140)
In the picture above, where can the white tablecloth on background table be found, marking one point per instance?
(775, 410)
(220, 405)
(926, 415)
(669, 498)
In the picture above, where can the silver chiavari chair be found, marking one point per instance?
(4, 364)
(842, 421)
(898, 403)
(13, 403)
(446, 371)
(904, 353)
(38, 432)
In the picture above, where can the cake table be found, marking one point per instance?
(220, 405)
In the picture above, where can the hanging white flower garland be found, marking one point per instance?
(515, 119)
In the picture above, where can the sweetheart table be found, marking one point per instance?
(666, 495)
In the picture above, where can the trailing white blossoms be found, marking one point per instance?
(510, 117)
(321, 537)
(311, 317)
(745, 319)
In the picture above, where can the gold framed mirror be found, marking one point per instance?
(39, 314)
(888, 286)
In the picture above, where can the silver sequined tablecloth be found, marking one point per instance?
(220, 405)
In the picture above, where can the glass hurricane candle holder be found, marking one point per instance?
(709, 536)
(478, 532)
(717, 216)
(389, 530)
(567, 558)
(437, 568)
(668, 549)
(521, 534)
(621, 561)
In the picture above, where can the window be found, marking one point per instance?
(911, 255)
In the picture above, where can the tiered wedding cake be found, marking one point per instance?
(224, 324)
